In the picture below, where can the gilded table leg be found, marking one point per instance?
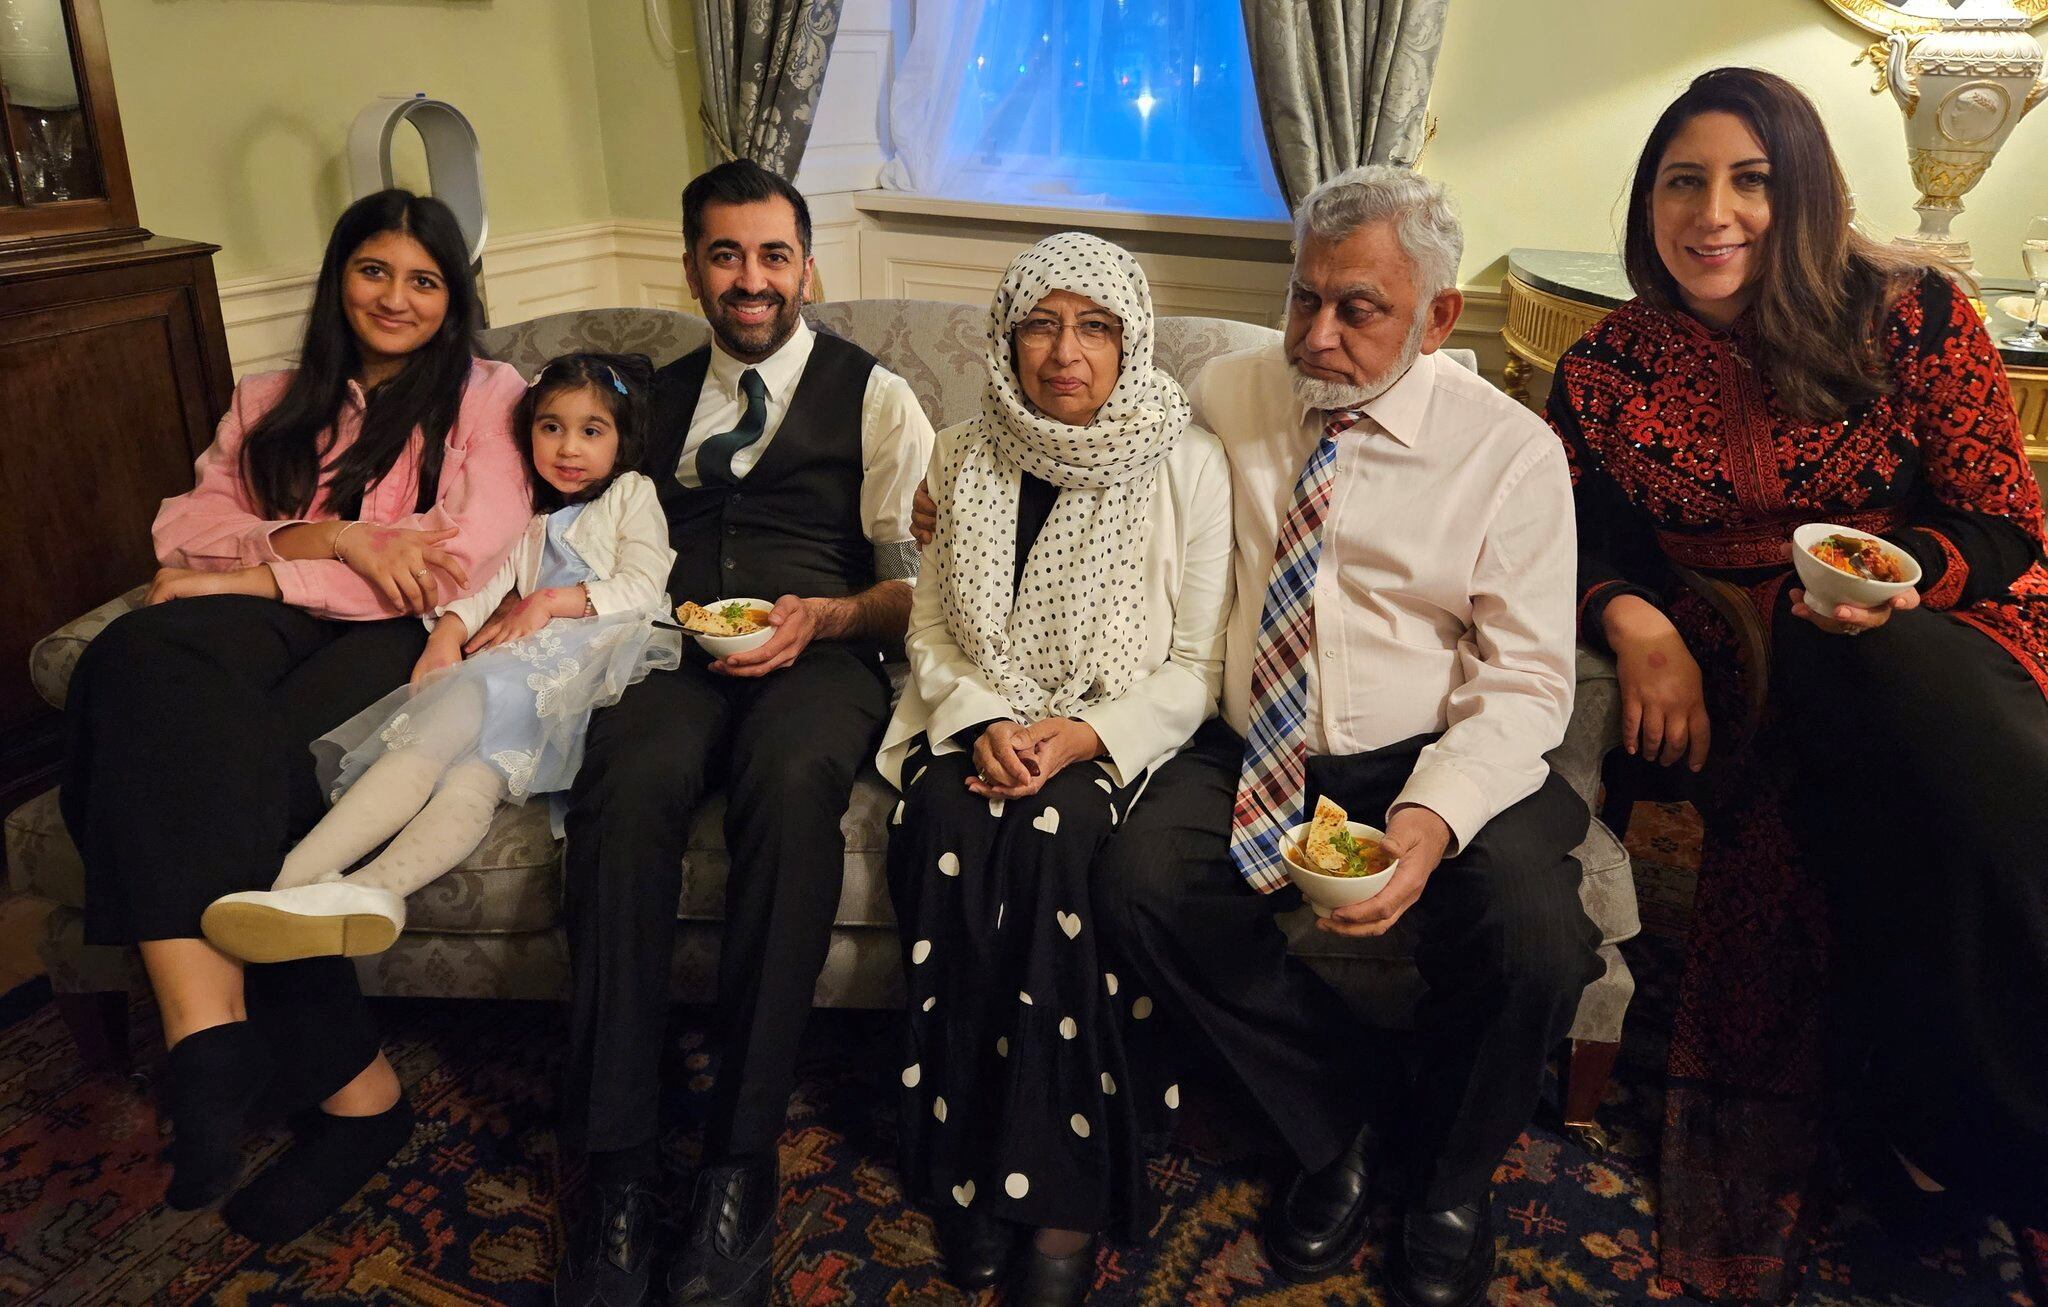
(1514, 376)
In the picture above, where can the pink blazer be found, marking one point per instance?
(483, 494)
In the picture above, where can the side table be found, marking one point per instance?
(1555, 296)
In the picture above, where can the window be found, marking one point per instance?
(1142, 105)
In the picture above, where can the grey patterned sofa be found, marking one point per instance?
(489, 929)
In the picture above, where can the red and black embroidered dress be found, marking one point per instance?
(1681, 453)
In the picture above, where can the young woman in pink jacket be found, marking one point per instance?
(339, 502)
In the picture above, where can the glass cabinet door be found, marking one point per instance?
(63, 168)
(48, 130)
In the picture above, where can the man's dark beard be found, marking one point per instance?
(750, 342)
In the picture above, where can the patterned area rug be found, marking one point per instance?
(468, 1213)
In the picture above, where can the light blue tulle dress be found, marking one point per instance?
(523, 707)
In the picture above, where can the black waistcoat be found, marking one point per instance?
(792, 525)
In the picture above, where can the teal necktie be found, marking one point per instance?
(714, 456)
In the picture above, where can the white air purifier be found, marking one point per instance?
(454, 162)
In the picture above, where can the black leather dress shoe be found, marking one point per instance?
(1445, 1259)
(1042, 1280)
(730, 1232)
(610, 1245)
(976, 1248)
(1318, 1222)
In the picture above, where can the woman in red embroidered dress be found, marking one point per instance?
(1872, 910)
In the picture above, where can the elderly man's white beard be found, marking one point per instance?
(1315, 393)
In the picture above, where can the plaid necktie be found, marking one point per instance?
(1269, 786)
(714, 456)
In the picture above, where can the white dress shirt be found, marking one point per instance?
(1444, 593)
(1187, 599)
(895, 439)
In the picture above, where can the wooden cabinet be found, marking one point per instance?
(113, 361)
(113, 372)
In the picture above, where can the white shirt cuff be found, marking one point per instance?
(1451, 795)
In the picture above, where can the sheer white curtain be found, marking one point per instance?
(925, 89)
(1082, 103)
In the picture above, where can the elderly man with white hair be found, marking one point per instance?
(1402, 642)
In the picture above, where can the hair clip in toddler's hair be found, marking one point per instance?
(617, 384)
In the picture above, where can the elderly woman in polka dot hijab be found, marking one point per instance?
(1066, 639)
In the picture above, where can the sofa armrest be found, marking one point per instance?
(51, 660)
(1595, 727)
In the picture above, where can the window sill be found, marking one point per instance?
(909, 204)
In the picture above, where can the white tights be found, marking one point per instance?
(435, 829)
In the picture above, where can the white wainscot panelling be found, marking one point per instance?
(548, 272)
(640, 264)
(649, 266)
(526, 276)
(265, 319)
(1478, 329)
(907, 265)
(835, 246)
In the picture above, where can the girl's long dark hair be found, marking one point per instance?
(622, 381)
(1824, 286)
(283, 452)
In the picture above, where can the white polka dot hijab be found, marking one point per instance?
(1071, 633)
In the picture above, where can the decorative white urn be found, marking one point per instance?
(1962, 89)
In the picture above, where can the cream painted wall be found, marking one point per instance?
(1542, 108)
(647, 106)
(236, 112)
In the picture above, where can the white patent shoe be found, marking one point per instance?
(322, 920)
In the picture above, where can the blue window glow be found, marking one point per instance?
(1144, 105)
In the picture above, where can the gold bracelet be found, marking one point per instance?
(336, 546)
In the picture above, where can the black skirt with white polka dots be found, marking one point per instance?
(1036, 1081)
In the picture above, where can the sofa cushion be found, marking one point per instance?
(663, 335)
(51, 661)
(41, 861)
(934, 345)
(512, 883)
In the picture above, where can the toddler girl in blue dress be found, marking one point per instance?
(499, 702)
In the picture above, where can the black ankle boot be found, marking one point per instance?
(1317, 1224)
(730, 1232)
(1445, 1259)
(976, 1248)
(1043, 1280)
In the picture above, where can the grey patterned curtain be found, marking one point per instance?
(761, 64)
(1342, 82)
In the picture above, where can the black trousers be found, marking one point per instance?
(1924, 752)
(188, 776)
(1501, 940)
(786, 748)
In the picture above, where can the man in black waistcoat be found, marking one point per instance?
(786, 461)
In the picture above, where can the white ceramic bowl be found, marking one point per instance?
(1827, 587)
(722, 646)
(1324, 891)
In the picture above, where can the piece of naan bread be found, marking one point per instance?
(699, 620)
(1322, 829)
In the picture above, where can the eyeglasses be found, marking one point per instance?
(1093, 333)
